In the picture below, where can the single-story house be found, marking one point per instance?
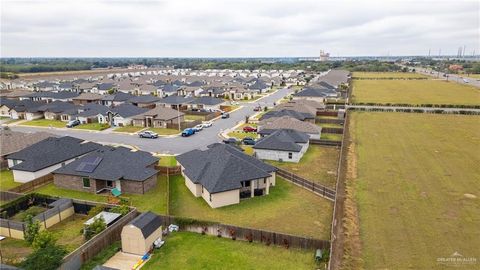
(207, 103)
(26, 109)
(147, 101)
(85, 98)
(222, 175)
(316, 94)
(138, 236)
(291, 113)
(282, 145)
(45, 156)
(158, 118)
(13, 141)
(268, 126)
(48, 97)
(57, 110)
(107, 168)
(175, 101)
(120, 115)
(116, 99)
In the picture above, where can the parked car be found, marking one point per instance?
(187, 132)
(230, 141)
(198, 127)
(257, 109)
(248, 141)
(225, 115)
(148, 134)
(207, 124)
(73, 123)
(234, 103)
(249, 129)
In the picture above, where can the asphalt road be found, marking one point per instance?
(169, 145)
(451, 77)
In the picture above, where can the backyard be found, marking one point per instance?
(308, 214)
(167, 161)
(414, 92)
(413, 185)
(185, 250)
(318, 164)
(331, 136)
(45, 123)
(6, 180)
(143, 202)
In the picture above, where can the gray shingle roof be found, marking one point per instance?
(54, 95)
(175, 100)
(51, 151)
(287, 122)
(127, 110)
(222, 167)
(208, 101)
(92, 109)
(117, 163)
(297, 115)
(56, 107)
(312, 92)
(144, 99)
(12, 141)
(147, 222)
(283, 140)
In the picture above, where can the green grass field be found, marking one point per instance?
(128, 129)
(154, 200)
(165, 131)
(318, 164)
(239, 134)
(45, 123)
(414, 92)
(167, 161)
(68, 232)
(287, 209)
(387, 75)
(93, 126)
(331, 136)
(6, 180)
(185, 250)
(417, 188)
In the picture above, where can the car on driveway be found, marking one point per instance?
(230, 141)
(248, 141)
(148, 134)
(225, 115)
(207, 124)
(198, 127)
(73, 123)
(188, 132)
(249, 129)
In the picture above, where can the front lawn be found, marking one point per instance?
(165, 131)
(154, 200)
(186, 250)
(414, 92)
(194, 117)
(45, 123)
(287, 209)
(318, 164)
(128, 129)
(6, 180)
(93, 126)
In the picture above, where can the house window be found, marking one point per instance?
(290, 155)
(15, 162)
(86, 182)
(264, 180)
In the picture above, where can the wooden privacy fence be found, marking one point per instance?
(245, 234)
(317, 189)
(100, 241)
(184, 125)
(6, 196)
(327, 113)
(330, 121)
(34, 184)
(164, 170)
(332, 130)
(326, 142)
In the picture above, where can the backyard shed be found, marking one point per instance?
(138, 236)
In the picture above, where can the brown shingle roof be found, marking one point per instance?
(13, 141)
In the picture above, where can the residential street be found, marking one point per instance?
(172, 145)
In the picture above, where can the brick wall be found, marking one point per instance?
(139, 187)
(72, 182)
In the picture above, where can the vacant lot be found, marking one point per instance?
(416, 184)
(388, 75)
(318, 164)
(414, 92)
(287, 209)
(184, 250)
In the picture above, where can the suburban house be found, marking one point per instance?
(176, 102)
(282, 145)
(158, 118)
(268, 126)
(222, 175)
(120, 115)
(207, 103)
(12, 141)
(89, 113)
(85, 98)
(258, 85)
(48, 97)
(291, 113)
(107, 168)
(57, 110)
(103, 88)
(45, 156)
(26, 109)
(116, 99)
(147, 101)
(138, 235)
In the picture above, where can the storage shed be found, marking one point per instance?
(138, 236)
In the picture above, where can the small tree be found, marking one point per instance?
(121, 209)
(32, 227)
(95, 210)
(48, 258)
(43, 239)
(97, 226)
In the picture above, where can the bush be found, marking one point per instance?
(122, 209)
(32, 227)
(95, 210)
(97, 226)
(43, 239)
(48, 258)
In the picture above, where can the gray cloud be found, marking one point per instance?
(236, 28)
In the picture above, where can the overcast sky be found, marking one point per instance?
(236, 28)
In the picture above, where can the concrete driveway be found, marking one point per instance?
(169, 145)
(123, 261)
